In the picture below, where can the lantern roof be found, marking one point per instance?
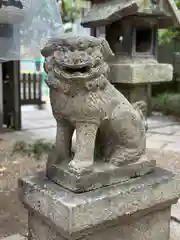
(104, 12)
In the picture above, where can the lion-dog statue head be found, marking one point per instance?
(75, 60)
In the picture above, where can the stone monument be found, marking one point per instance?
(131, 29)
(109, 188)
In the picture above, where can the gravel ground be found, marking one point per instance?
(13, 216)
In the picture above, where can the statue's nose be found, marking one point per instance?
(79, 57)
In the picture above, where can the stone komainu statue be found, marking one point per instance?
(108, 128)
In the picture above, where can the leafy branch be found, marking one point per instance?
(167, 35)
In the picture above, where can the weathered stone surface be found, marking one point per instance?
(108, 128)
(154, 226)
(137, 93)
(101, 175)
(104, 12)
(134, 79)
(39, 230)
(109, 209)
(138, 73)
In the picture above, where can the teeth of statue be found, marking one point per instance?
(77, 73)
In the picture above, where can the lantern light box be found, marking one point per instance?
(13, 11)
(25, 26)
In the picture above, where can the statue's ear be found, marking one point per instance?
(45, 66)
(141, 105)
(107, 52)
(48, 49)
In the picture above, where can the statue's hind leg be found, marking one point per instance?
(125, 155)
(130, 136)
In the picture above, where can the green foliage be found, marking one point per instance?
(167, 35)
(167, 103)
(20, 147)
(178, 3)
(41, 147)
(71, 11)
(37, 149)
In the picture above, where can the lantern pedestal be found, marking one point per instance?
(136, 79)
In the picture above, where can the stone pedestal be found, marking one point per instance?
(134, 80)
(138, 209)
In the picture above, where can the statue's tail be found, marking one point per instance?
(141, 107)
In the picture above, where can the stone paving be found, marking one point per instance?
(38, 123)
(163, 132)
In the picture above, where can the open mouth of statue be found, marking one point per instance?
(82, 70)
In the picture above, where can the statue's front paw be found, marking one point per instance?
(117, 162)
(79, 166)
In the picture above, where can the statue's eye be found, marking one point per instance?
(71, 48)
(59, 48)
(155, 1)
(89, 50)
(81, 45)
(64, 49)
(91, 43)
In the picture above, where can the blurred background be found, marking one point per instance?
(71, 13)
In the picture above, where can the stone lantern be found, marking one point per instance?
(12, 13)
(131, 28)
